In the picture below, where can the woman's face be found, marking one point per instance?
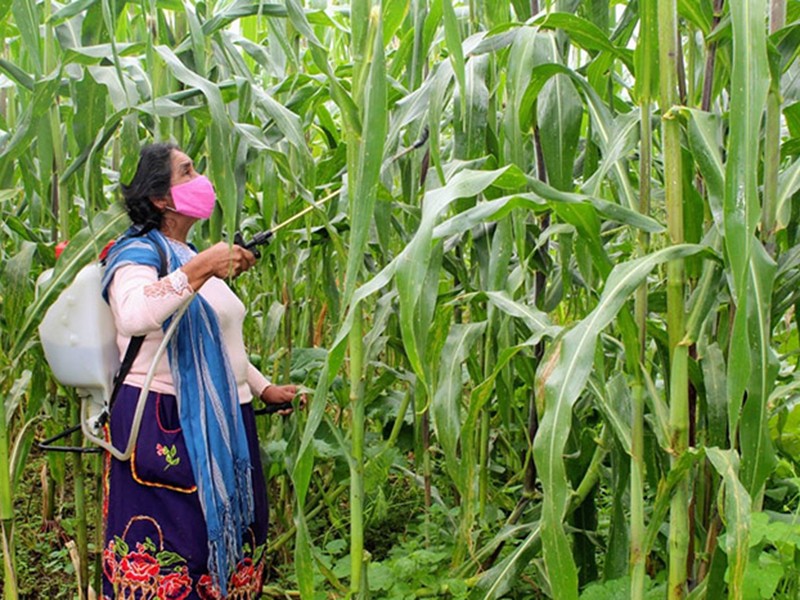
(182, 168)
(191, 195)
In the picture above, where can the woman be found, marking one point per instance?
(186, 516)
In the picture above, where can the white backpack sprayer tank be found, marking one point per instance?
(79, 340)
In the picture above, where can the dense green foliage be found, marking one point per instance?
(547, 313)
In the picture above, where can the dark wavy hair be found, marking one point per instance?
(152, 180)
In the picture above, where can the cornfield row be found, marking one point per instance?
(556, 288)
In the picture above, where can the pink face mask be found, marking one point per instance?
(195, 198)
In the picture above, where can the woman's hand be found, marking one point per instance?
(278, 394)
(220, 260)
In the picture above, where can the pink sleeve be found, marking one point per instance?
(141, 302)
(256, 381)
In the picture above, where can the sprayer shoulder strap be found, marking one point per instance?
(136, 342)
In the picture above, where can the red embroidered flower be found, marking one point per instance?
(110, 561)
(138, 566)
(244, 574)
(175, 586)
(206, 589)
(161, 450)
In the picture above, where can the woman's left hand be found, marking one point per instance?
(278, 394)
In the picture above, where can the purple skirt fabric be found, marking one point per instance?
(155, 534)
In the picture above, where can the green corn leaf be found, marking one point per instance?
(537, 322)
(426, 332)
(498, 580)
(705, 142)
(27, 19)
(238, 10)
(164, 107)
(698, 13)
(21, 450)
(788, 184)
(303, 557)
(414, 107)
(706, 295)
(452, 37)
(71, 9)
(343, 99)
(737, 518)
(584, 34)
(44, 94)
(441, 80)
(415, 258)
(121, 90)
(497, 39)
(285, 120)
(109, 19)
(446, 403)
(90, 103)
(659, 411)
(563, 376)
(758, 455)
(394, 13)
(109, 128)
(544, 197)
(197, 39)
(645, 56)
(712, 362)
(666, 487)
(365, 173)
(92, 55)
(470, 130)
(298, 18)
(530, 48)
(603, 126)
(17, 74)
(560, 114)
(412, 261)
(624, 138)
(609, 398)
(359, 41)
(210, 90)
(741, 204)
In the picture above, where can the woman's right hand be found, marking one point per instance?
(220, 260)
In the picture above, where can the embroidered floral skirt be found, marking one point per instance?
(155, 534)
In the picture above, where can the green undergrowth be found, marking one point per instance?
(45, 569)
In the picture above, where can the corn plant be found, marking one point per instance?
(553, 284)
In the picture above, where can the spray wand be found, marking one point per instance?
(262, 238)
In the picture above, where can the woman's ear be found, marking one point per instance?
(160, 203)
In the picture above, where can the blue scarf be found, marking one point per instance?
(210, 414)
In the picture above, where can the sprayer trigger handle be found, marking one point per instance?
(238, 239)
